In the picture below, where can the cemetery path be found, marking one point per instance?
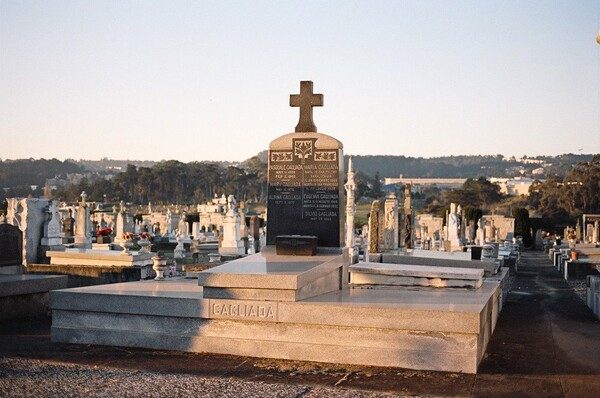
(547, 341)
(546, 344)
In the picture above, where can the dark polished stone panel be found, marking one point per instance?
(305, 192)
(11, 245)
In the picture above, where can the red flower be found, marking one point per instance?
(104, 232)
(127, 236)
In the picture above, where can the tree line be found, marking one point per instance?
(174, 182)
(560, 200)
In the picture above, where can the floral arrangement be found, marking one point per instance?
(127, 236)
(145, 235)
(104, 232)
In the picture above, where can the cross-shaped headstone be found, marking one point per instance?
(83, 196)
(306, 100)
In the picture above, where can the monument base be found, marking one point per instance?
(270, 276)
(296, 245)
(26, 296)
(408, 328)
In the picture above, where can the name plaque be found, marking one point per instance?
(243, 310)
(304, 192)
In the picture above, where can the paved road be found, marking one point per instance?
(546, 344)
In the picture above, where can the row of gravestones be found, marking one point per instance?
(30, 229)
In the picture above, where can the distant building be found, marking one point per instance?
(508, 186)
(417, 184)
(538, 171)
(513, 186)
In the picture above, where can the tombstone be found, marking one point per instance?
(254, 229)
(589, 231)
(11, 249)
(471, 231)
(232, 241)
(51, 239)
(305, 178)
(83, 237)
(590, 227)
(29, 215)
(251, 245)
(124, 223)
(500, 227)
(68, 225)
(453, 226)
(391, 222)
(195, 230)
(242, 211)
(408, 218)
(183, 226)
(374, 226)
(179, 251)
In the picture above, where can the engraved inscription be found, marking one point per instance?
(305, 192)
(242, 309)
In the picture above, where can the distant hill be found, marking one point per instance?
(461, 166)
(465, 166)
(34, 172)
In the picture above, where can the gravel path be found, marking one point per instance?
(35, 378)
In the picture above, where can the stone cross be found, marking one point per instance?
(83, 197)
(306, 100)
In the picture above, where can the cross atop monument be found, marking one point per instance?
(306, 100)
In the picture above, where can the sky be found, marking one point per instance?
(210, 80)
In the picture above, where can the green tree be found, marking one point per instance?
(375, 190)
(476, 193)
(522, 224)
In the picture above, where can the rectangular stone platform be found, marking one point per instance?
(489, 267)
(381, 274)
(579, 269)
(98, 257)
(447, 330)
(269, 276)
(26, 296)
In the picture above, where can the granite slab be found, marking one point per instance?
(413, 328)
(98, 257)
(266, 274)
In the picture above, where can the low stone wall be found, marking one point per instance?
(26, 296)
(89, 275)
(593, 293)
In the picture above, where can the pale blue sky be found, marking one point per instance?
(210, 80)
